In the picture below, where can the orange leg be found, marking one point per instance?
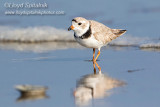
(93, 61)
(93, 53)
(99, 68)
(94, 67)
(97, 55)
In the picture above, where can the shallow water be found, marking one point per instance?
(60, 69)
(132, 58)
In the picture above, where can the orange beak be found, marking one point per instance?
(71, 28)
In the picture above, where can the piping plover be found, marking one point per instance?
(92, 34)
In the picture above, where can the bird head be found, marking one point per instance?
(79, 25)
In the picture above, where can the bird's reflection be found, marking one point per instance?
(22, 98)
(93, 86)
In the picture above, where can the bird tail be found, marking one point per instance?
(118, 32)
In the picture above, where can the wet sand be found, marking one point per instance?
(59, 70)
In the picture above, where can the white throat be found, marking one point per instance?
(80, 32)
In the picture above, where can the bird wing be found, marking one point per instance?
(104, 33)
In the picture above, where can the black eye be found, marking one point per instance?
(79, 23)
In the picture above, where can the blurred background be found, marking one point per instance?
(139, 17)
(38, 50)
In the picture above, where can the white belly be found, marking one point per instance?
(90, 42)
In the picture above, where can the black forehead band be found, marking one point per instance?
(74, 20)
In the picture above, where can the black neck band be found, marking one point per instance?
(86, 35)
